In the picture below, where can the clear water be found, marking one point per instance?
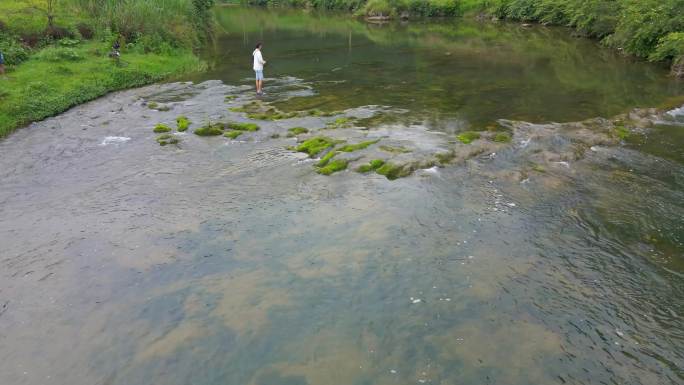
(217, 262)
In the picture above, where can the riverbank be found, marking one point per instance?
(650, 29)
(57, 53)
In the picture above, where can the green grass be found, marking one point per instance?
(42, 87)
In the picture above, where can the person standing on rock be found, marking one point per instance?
(259, 68)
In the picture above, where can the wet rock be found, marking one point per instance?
(677, 69)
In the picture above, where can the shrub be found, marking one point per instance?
(57, 54)
(14, 52)
(670, 46)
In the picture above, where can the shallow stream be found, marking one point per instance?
(554, 257)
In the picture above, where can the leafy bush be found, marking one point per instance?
(13, 51)
(670, 46)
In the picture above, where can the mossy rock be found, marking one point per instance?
(157, 106)
(317, 112)
(394, 149)
(182, 123)
(324, 160)
(340, 122)
(371, 166)
(502, 137)
(315, 145)
(275, 136)
(294, 131)
(357, 146)
(233, 134)
(229, 98)
(445, 157)
(165, 139)
(243, 126)
(333, 166)
(394, 171)
(468, 137)
(214, 129)
(538, 168)
(160, 128)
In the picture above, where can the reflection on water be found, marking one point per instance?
(233, 262)
(445, 71)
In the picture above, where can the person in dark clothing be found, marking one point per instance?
(2, 63)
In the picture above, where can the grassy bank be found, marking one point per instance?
(57, 51)
(652, 29)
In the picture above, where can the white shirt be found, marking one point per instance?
(258, 60)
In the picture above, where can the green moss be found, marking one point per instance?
(165, 139)
(159, 128)
(315, 145)
(538, 168)
(230, 97)
(243, 126)
(211, 129)
(358, 146)
(502, 137)
(622, 132)
(333, 166)
(371, 166)
(317, 112)
(233, 134)
(467, 137)
(394, 171)
(445, 157)
(394, 149)
(324, 160)
(294, 131)
(182, 123)
(340, 122)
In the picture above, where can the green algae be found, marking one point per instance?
(333, 166)
(165, 139)
(243, 126)
(538, 168)
(502, 137)
(294, 131)
(467, 137)
(317, 112)
(315, 145)
(160, 128)
(357, 146)
(340, 122)
(233, 134)
(324, 160)
(371, 166)
(211, 129)
(182, 123)
(394, 149)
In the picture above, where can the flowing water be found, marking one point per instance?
(557, 258)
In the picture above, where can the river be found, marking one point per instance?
(553, 254)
